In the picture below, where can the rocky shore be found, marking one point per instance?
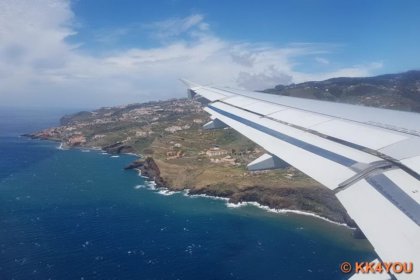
(276, 199)
(148, 168)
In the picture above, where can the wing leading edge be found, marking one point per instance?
(369, 157)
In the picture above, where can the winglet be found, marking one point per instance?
(214, 124)
(189, 84)
(191, 93)
(265, 162)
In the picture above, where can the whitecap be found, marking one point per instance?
(235, 205)
(61, 147)
(139, 173)
(151, 185)
(166, 192)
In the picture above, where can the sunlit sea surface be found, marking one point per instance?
(76, 214)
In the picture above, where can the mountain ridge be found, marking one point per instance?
(400, 91)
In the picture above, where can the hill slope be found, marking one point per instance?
(393, 91)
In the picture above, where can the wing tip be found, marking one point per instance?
(189, 83)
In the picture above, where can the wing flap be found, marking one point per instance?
(392, 233)
(413, 163)
(407, 183)
(403, 149)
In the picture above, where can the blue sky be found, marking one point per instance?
(362, 30)
(105, 52)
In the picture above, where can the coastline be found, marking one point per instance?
(167, 191)
(191, 169)
(185, 192)
(163, 188)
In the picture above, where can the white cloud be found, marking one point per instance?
(261, 80)
(170, 28)
(39, 67)
(354, 71)
(322, 60)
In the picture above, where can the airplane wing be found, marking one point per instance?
(369, 157)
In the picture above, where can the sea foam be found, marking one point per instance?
(166, 192)
(282, 211)
(151, 185)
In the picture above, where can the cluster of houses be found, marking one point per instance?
(175, 128)
(215, 154)
(72, 133)
(150, 113)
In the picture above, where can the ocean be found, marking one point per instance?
(76, 214)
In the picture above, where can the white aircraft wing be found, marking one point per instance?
(369, 157)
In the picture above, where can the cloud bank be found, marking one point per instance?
(39, 67)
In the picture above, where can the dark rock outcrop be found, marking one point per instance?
(149, 169)
(118, 148)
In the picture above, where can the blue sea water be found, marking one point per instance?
(73, 214)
